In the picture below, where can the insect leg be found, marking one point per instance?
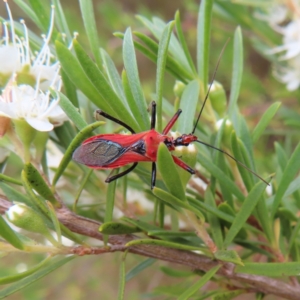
(109, 117)
(153, 176)
(114, 177)
(183, 165)
(172, 122)
(153, 115)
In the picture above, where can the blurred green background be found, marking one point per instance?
(96, 277)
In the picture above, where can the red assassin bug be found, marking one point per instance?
(110, 151)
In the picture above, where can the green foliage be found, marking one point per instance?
(224, 212)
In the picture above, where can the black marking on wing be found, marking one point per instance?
(98, 153)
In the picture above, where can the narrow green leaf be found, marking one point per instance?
(122, 278)
(17, 277)
(160, 70)
(80, 137)
(29, 12)
(9, 179)
(134, 81)
(163, 244)
(213, 221)
(264, 121)
(117, 228)
(237, 153)
(61, 20)
(188, 104)
(176, 273)
(72, 112)
(75, 72)
(203, 42)
(183, 43)
(69, 88)
(270, 269)
(228, 295)
(110, 201)
(281, 156)
(13, 195)
(173, 200)
(113, 76)
(221, 176)
(245, 211)
(228, 256)
(55, 221)
(237, 72)
(169, 173)
(102, 85)
(88, 16)
(170, 233)
(64, 134)
(9, 235)
(289, 173)
(41, 13)
(34, 277)
(38, 183)
(187, 294)
(139, 268)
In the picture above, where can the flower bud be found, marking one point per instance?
(217, 98)
(26, 218)
(178, 88)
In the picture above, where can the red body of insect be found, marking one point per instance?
(110, 151)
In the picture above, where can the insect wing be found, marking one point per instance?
(98, 153)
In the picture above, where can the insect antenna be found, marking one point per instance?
(237, 161)
(209, 88)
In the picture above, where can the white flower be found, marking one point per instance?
(35, 106)
(291, 40)
(274, 14)
(33, 103)
(289, 74)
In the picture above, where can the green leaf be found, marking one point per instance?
(170, 233)
(37, 182)
(41, 13)
(228, 256)
(188, 104)
(139, 268)
(69, 88)
(75, 72)
(110, 201)
(237, 73)
(122, 279)
(13, 195)
(270, 269)
(195, 287)
(9, 179)
(163, 244)
(113, 76)
(228, 295)
(61, 20)
(183, 43)
(203, 42)
(236, 146)
(289, 173)
(174, 201)
(169, 173)
(71, 111)
(176, 273)
(9, 235)
(29, 12)
(160, 70)
(80, 137)
(17, 277)
(55, 221)
(221, 176)
(134, 82)
(100, 82)
(117, 228)
(34, 277)
(88, 16)
(245, 211)
(264, 121)
(213, 221)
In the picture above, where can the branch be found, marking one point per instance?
(88, 227)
